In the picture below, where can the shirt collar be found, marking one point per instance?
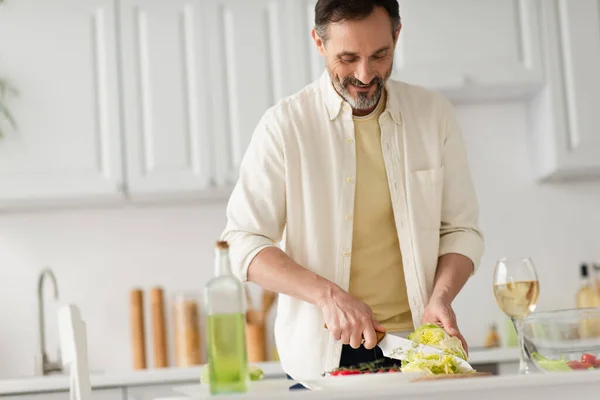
(334, 102)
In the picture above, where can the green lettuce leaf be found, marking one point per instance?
(435, 336)
(550, 365)
(433, 364)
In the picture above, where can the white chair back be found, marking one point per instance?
(73, 343)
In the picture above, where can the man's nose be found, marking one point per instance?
(364, 72)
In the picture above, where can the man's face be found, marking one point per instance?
(359, 56)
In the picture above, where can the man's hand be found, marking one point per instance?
(452, 273)
(440, 312)
(349, 320)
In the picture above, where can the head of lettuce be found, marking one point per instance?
(435, 336)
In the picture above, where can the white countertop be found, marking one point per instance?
(187, 375)
(558, 385)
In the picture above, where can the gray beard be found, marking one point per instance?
(362, 101)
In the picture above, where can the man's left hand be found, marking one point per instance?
(440, 312)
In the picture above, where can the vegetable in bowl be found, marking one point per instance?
(587, 362)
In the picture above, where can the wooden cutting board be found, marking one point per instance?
(454, 376)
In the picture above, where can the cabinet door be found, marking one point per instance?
(566, 119)
(248, 70)
(61, 57)
(39, 396)
(97, 394)
(153, 392)
(165, 79)
(470, 47)
(467, 49)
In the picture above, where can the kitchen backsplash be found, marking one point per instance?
(99, 255)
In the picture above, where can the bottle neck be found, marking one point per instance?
(222, 266)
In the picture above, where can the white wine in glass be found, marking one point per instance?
(516, 288)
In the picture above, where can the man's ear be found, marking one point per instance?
(397, 34)
(318, 42)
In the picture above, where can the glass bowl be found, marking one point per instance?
(563, 340)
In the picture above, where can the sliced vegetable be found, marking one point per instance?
(256, 374)
(435, 336)
(575, 365)
(373, 367)
(554, 365)
(588, 359)
(433, 364)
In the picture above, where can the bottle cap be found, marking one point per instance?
(584, 270)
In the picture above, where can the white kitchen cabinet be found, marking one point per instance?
(39, 396)
(166, 94)
(191, 104)
(61, 57)
(250, 70)
(152, 392)
(471, 48)
(99, 394)
(565, 117)
(467, 49)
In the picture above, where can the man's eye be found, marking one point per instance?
(349, 59)
(379, 56)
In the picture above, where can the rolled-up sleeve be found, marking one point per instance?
(256, 209)
(459, 232)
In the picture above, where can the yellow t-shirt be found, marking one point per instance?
(376, 272)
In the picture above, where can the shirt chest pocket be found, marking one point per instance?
(426, 189)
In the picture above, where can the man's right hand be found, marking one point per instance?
(349, 320)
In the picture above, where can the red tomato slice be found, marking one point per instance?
(574, 364)
(579, 365)
(588, 359)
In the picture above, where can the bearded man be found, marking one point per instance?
(368, 178)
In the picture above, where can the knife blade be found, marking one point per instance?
(394, 346)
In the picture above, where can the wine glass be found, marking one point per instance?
(516, 289)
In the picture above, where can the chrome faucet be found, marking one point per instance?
(43, 364)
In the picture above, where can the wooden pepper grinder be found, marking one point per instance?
(137, 329)
(159, 333)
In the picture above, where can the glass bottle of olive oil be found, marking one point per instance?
(226, 327)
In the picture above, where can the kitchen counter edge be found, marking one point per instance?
(178, 375)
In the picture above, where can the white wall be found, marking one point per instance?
(99, 255)
(557, 225)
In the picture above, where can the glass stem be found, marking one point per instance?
(523, 366)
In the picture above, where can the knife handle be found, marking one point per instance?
(380, 335)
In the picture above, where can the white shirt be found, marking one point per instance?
(298, 175)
